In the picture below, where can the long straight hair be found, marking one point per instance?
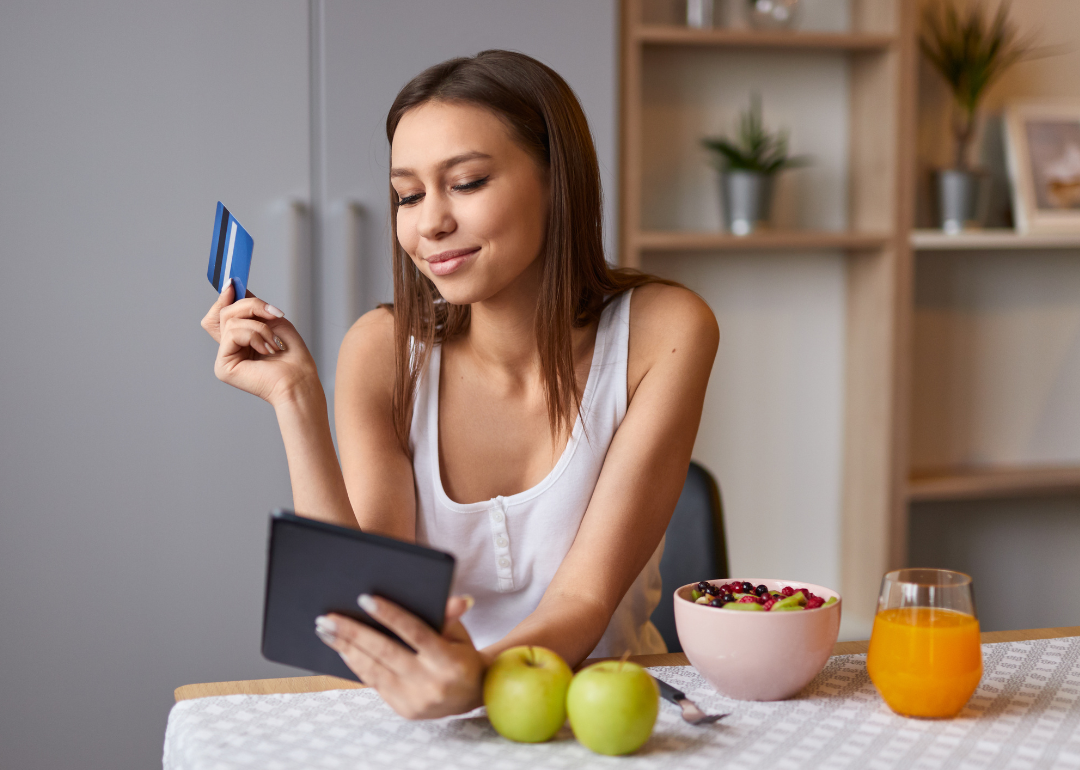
(546, 119)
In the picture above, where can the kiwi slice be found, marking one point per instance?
(793, 602)
(695, 594)
(831, 601)
(744, 606)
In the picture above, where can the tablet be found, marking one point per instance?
(314, 568)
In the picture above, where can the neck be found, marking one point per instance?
(502, 328)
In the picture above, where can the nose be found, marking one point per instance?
(436, 217)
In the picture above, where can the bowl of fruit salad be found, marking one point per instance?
(757, 639)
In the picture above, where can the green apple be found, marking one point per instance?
(525, 693)
(613, 706)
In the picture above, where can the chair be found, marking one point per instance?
(695, 548)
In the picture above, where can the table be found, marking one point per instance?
(301, 684)
(1024, 716)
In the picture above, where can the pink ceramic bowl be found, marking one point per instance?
(757, 655)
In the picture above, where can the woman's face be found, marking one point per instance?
(473, 204)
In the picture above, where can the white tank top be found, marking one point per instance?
(509, 548)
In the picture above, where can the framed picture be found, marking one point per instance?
(1043, 153)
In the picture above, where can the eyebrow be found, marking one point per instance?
(448, 163)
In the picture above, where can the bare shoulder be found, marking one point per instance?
(663, 316)
(366, 357)
(672, 333)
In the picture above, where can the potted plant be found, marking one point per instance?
(970, 52)
(747, 167)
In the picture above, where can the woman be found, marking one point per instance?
(521, 405)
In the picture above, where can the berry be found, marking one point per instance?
(761, 590)
(733, 588)
(712, 590)
(814, 603)
(716, 603)
(749, 599)
(727, 597)
(747, 588)
(787, 591)
(769, 604)
(702, 586)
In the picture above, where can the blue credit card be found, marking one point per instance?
(230, 253)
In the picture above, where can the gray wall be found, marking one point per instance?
(133, 485)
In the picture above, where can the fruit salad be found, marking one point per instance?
(746, 597)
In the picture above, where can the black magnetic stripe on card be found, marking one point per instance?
(221, 246)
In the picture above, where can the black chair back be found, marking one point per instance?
(695, 548)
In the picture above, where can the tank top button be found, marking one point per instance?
(504, 562)
(501, 542)
(497, 516)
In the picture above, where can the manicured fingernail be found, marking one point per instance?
(469, 602)
(367, 603)
(325, 637)
(274, 311)
(226, 286)
(325, 624)
(270, 349)
(280, 344)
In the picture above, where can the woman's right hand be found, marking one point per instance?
(259, 351)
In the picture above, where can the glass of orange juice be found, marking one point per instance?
(925, 658)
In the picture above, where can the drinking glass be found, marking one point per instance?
(925, 658)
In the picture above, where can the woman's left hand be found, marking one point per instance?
(443, 677)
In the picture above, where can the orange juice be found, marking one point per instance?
(925, 662)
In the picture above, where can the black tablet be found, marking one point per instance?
(314, 568)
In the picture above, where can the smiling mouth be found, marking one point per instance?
(444, 256)
(447, 262)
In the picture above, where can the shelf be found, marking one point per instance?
(994, 482)
(766, 240)
(657, 34)
(936, 240)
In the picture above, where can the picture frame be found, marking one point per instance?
(1043, 157)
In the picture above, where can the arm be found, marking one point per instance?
(673, 341)
(261, 353)
(377, 471)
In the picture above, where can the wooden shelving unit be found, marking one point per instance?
(990, 240)
(880, 48)
(768, 240)
(662, 34)
(993, 482)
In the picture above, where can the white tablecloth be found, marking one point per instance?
(1025, 714)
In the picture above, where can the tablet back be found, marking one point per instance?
(315, 568)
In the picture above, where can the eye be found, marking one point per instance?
(474, 185)
(408, 200)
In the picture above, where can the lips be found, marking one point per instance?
(446, 262)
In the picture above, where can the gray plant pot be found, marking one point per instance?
(962, 199)
(747, 200)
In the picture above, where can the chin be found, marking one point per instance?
(463, 291)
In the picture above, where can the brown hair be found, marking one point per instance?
(545, 117)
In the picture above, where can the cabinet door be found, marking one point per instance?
(134, 487)
(369, 51)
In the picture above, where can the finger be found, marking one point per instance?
(370, 671)
(226, 295)
(211, 322)
(251, 307)
(379, 647)
(456, 606)
(413, 631)
(248, 333)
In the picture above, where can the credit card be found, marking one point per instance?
(230, 253)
